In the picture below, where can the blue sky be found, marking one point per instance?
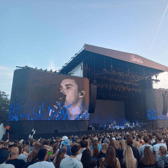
(47, 33)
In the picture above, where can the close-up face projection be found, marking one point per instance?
(70, 89)
(73, 98)
(48, 96)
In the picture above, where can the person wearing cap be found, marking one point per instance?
(99, 146)
(4, 155)
(71, 162)
(65, 142)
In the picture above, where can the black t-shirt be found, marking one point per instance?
(136, 153)
(101, 154)
(28, 164)
(119, 154)
(18, 163)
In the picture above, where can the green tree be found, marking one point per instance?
(4, 107)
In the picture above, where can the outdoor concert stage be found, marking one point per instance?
(120, 90)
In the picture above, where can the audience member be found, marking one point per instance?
(4, 155)
(87, 159)
(18, 163)
(148, 158)
(157, 146)
(60, 156)
(111, 161)
(120, 150)
(95, 139)
(42, 163)
(146, 143)
(21, 155)
(71, 162)
(129, 160)
(98, 157)
(103, 151)
(95, 151)
(162, 159)
(135, 150)
(66, 142)
(83, 145)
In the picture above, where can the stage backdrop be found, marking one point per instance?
(107, 111)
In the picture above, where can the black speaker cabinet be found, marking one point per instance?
(93, 96)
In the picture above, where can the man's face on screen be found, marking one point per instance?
(70, 89)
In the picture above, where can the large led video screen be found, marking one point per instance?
(157, 104)
(38, 95)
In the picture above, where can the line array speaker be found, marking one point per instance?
(93, 96)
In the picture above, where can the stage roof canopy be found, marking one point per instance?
(89, 50)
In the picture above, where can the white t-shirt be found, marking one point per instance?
(23, 157)
(141, 149)
(55, 159)
(7, 166)
(79, 156)
(70, 162)
(156, 149)
(42, 164)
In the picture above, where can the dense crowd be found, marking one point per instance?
(123, 149)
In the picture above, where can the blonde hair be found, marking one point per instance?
(136, 144)
(117, 144)
(130, 160)
(122, 144)
(104, 146)
(162, 151)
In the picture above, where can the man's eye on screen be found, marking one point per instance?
(68, 87)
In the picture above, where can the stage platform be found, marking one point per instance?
(60, 134)
(50, 135)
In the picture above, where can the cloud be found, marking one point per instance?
(6, 77)
(52, 66)
(6, 72)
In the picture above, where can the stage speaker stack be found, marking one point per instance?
(165, 103)
(93, 96)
